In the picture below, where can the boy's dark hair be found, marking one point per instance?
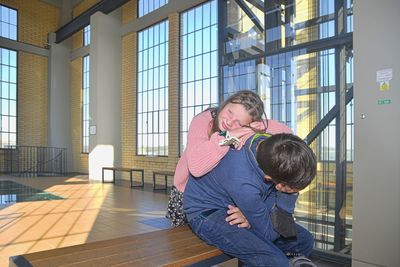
(287, 159)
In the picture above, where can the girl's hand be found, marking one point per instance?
(240, 132)
(236, 217)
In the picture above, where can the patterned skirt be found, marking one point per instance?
(175, 208)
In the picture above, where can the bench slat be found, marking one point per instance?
(123, 169)
(119, 253)
(168, 173)
(179, 233)
(171, 247)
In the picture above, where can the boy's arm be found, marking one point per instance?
(256, 205)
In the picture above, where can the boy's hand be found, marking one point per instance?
(236, 217)
(286, 189)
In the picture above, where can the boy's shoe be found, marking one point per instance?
(299, 260)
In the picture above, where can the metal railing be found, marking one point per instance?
(35, 161)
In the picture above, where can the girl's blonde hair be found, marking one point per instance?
(250, 100)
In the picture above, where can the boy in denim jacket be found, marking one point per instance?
(248, 179)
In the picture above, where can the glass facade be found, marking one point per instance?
(298, 56)
(198, 63)
(85, 104)
(86, 35)
(147, 6)
(152, 88)
(8, 94)
(9, 22)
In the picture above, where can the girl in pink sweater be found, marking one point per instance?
(241, 115)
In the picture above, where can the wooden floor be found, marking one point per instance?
(89, 212)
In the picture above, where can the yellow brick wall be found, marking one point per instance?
(83, 6)
(77, 38)
(128, 100)
(35, 20)
(129, 11)
(79, 160)
(32, 99)
(128, 106)
(173, 86)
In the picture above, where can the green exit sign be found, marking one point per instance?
(384, 102)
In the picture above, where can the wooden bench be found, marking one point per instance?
(171, 247)
(120, 169)
(162, 173)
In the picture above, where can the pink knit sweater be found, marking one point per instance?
(203, 153)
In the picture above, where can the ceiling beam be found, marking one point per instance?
(81, 21)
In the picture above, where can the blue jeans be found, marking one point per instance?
(245, 245)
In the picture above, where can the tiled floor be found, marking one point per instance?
(89, 212)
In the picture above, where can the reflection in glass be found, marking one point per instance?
(245, 30)
(12, 192)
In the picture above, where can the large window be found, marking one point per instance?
(199, 63)
(147, 6)
(85, 105)
(8, 79)
(9, 22)
(152, 97)
(86, 35)
(8, 98)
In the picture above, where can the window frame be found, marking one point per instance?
(16, 104)
(191, 31)
(86, 33)
(162, 133)
(17, 16)
(85, 105)
(140, 12)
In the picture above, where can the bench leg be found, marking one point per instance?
(130, 177)
(102, 177)
(154, 183)
(165, 185)
(166, 182)
(140, 185)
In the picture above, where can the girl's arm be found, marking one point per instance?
(274, 127)
(203, 151)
